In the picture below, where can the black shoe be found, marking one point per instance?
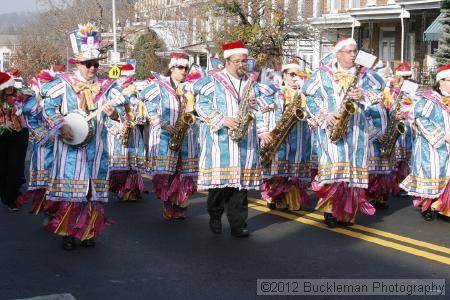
(271, 206)
(240, 233)
(381, 205)
(88, 243)
(329, 220)
(68, 243)
(344, 224)
(215, 225)
(13, 207)
(427, 215)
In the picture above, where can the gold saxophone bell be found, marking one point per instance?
(350, 108)
(188, 119)
(300, 114)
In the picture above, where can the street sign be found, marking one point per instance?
(114, 72)
(131, 61)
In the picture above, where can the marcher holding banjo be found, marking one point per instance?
(74, 107)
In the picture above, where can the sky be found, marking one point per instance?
(11, 6)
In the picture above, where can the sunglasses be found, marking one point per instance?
(292, 74)
(90, 64)
(182, 67)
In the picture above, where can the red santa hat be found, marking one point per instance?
(403, 69)
(6, 81)
(343, 42)
(443, 72)
(127, 70)
(292, 64)
(178, 59)
(234, 48)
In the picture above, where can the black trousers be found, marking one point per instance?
(236, 203)
(13, 150)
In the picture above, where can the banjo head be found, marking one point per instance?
(80, 129)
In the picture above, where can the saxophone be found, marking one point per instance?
(293, 113)
(347, 108)
(245, 116)
(394, 129)
(184, 121)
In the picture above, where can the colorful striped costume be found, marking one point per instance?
(430, 168)
(79, 178)
(224, 162)
(343, 166)
(173, 172)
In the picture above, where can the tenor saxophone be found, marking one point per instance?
(245, 116)
(184, 121)
(394, 129)
(347, 108)
(293, 113)
(128, 125)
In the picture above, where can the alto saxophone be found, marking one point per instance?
(394, 129)
(293, 113)
(245, 116)
(347, 108)
(128, 125)
(184, 121)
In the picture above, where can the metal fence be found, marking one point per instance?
(425, 75)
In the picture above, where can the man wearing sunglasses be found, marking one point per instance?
(173, 171)
(343, 177)
(79, 179)
(290, 168)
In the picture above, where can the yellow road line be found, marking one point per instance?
(373, 230)
(370, 239)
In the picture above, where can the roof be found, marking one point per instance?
(434, 31)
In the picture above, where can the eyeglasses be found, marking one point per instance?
(182, 67)
(237, 62)
(292, 74)
(349, 51)
(90, 64)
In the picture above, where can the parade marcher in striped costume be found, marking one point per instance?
(127, 161)
(79, 178)
(403, 151)
(227, 168)
(284, 180)
(174, 171)
(343, 165)
(41, 157)
(13, 140)
(428, 181)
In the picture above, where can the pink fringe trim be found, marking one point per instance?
(179, 189)
(303, 198)
(134, 185)
(77, 218)
(443, 202)
(380, 185)
(117, 180)
(274, 189)
(398, 176)
(346, 201)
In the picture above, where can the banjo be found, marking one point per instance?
(83, 129)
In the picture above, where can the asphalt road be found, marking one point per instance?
(143, 256)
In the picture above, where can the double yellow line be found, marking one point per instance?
(388, 240)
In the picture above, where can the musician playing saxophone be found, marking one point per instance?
(228, 168)
(174, 171)
(286, 177)
(342, 164)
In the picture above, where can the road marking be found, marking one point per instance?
(372, 230)
(367, 238)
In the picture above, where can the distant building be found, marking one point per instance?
(8, 44)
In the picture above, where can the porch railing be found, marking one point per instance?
(425, 75)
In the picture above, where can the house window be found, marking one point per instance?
(333, 6)
(387, 44)
(356, 3)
